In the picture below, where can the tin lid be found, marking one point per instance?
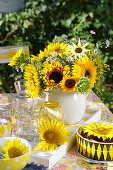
(49, 103)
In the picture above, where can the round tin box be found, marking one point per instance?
(100, 151)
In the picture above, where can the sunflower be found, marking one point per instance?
(90, 70)
(53, 74)
(32, 77)
(14, 149)
(34, 58)
(69, 84)
(66, 70)
(52, 134)
(78, 51)
(60, 49)
(78, 70)
(99, 130)
(14, 59)
(43, 54)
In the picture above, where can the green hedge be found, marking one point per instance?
(41, 20)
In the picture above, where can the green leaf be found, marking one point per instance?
(1, 22)
(26, 24)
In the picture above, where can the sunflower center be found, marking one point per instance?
(58, 49)
(87, 74)
(70, 83)
(78, 50)
(14, 152)
(103, 131)
(50, 137)
(56, 76)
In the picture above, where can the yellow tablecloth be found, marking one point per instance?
(72, 160)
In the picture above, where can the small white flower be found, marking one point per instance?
(69, 59)
(92, 32)
(107, 43)
(95, 52)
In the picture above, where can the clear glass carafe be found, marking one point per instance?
(23, 110)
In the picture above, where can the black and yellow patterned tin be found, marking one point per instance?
(92, 149)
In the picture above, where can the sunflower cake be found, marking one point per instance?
(95, 141)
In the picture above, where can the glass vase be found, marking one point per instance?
(51, 110)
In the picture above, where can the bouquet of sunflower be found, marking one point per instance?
(72, 65)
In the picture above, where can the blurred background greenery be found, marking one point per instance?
(41, 20)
